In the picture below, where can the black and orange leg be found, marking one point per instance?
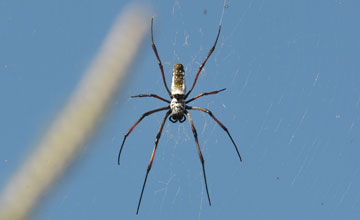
(200, 154)
(204, 94)
(158, 58)
(151, 95)
(203, 63)
(219, 123)
(136, 123)
(152, 157)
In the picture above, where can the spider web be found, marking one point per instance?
(190, 44)
(278, 85)
(292, 105)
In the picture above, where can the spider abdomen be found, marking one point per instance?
(178, 80)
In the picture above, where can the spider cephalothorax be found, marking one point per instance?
(177, 109)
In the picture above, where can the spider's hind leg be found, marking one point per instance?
(158, 58)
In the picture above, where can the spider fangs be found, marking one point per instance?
(177, 109)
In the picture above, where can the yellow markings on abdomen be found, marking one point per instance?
(178, 80)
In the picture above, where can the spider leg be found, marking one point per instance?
(217, 121)
(152, 157)
(150, 95)
(158, 58)
(200, 154)
(136, 123)
(203, 94)
(203, 63)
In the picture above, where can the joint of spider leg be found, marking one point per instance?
(196, 138)
(194, 131)
(157, 138)
(211, 114)
(202, 158)
(148, 168)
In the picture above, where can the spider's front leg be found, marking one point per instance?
(152, 157)
(200, 154)
(219, 123)
(136, 123)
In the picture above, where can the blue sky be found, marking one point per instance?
(292, 104)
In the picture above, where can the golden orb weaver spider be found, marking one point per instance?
(177, 109)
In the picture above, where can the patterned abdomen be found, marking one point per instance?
(178, 80)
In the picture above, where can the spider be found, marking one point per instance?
(177, 109)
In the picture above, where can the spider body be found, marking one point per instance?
(178, 81)
(177, 109)
(178, 89)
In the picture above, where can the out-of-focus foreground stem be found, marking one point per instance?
(78, 119)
